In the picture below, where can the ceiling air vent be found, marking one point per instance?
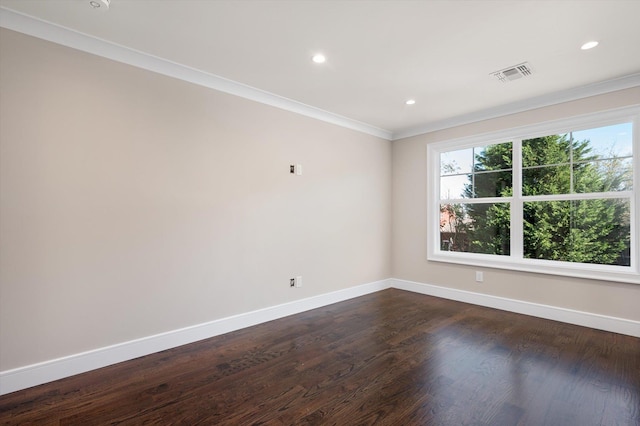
(513, 73)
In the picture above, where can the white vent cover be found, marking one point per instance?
(513, 73)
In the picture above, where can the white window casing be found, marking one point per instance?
(515, 260)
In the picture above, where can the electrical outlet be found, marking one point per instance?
(479, 276)
(292, 168)
(299, 281)
(292, 282)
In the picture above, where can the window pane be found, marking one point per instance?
(478, 185)
(493, 157)
(455, 187)
(456, 162)
(607, 142)
(483, 171)
(492, 184)
(546, 150)
(546, 180)
(583, 231)
(475, 228)
(603, 176)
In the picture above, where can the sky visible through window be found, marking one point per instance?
(614, 139)
(606, 142)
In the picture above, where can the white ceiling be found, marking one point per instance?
(379, 53)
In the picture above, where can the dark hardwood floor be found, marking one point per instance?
(389, 358)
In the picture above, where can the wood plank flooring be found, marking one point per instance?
(388, 358)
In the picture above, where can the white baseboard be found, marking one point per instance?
(585, 319)
(48, 371)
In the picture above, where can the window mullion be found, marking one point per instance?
(571, 189)
(517, 212)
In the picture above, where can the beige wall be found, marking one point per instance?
(133, 204)
(409, 229)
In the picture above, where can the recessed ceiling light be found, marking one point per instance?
(319, 58)
(589, 45)
(410, 102)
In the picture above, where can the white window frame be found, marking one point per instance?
(516, 260)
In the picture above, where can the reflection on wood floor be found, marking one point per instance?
(389, 358)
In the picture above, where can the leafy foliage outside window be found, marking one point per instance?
(594, 230)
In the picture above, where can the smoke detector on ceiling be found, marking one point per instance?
(100, 4)
(513, 73)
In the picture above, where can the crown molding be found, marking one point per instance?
(48, 31)
(568, 95)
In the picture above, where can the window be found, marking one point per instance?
(554, 198)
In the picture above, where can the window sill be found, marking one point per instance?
(576, 270)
